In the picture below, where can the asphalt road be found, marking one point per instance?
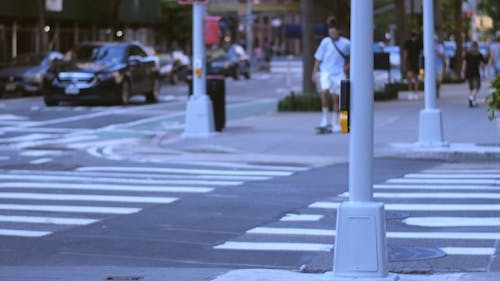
(60, 205)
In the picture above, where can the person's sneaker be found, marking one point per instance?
(415, 96)
(336, 128)
(471, 101)
(410, 96)
(324, 123)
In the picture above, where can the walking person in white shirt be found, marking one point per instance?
(332, 62)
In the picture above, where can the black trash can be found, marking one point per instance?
(216, 90)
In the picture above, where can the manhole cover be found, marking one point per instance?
(413, 253)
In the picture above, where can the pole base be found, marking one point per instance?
(430, 131)
(330, 276)
(360, 246)
(199, 117)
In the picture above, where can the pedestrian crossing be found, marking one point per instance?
(457, 211)
(37, 203)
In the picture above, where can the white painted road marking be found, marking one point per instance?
(70, 209)
(40, 161)
(389, 234)
(420, 207)
(269, 246)
(23, 233)
(47, 220)
(452, 221)
(126, 177)
(433, 195)
(85, 197)
(114, 187)
(466, 251)
(436, 187)
(301, 217)
(185, 171)
(453, 176)
(445, 181)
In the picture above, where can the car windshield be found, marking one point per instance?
(27, 60)
(107, 53)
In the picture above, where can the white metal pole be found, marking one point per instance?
(430, 126)
(361, 74)
(429, 54)
(199, 83)
(360, 246)
(199, 111)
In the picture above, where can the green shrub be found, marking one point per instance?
(302, 102)
(493, 99)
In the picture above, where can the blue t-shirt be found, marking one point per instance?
(438, 61)
(331, 60)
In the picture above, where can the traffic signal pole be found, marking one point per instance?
(199, 115)
(430, 131)
(360, 246)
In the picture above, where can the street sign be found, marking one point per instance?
(191, 1)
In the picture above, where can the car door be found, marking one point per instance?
(136, 69)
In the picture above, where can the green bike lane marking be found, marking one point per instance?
(174, 122)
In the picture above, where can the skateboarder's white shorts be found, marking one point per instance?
(331, 82)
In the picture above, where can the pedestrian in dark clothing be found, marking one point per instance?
(411, 54)
(470, 69)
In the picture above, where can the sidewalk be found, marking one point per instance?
(264, 135)
(289, 137)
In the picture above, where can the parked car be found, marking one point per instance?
(105, 72)
(174, 67)
(25, 73)
(232, 63)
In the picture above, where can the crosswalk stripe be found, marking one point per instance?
(469, 251)
(436, 195)
(185, 171)
(435, 187)
(453, 176)
(461, 171)
(29, 137)
(84, 197)
(113, 187)
(419, 207)
(70, 209)
(60, 140)
(445, 181)
(389, 234)
(452, 221)
(249, 166)
(301, 217)
(124, 177)
(47, 220)
(269, 246)
(23, 233)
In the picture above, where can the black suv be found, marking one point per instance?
(106, 72)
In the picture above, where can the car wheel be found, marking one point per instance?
(124, 93)
(154, 95)
(50, 102)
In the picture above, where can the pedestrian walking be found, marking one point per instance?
(470, 70)
(330, 67)
(439, 63)
(494, 60)
(411, 56)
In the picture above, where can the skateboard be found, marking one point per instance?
(324, 130)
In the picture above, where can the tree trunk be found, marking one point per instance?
(402, 30)
(458, 34)
(40, 5)
(307, 46)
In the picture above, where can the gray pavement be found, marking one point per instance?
(260, 134)
(288, 137)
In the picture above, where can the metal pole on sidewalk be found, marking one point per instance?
(430, 130)
(360, 246)
(199, 115)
